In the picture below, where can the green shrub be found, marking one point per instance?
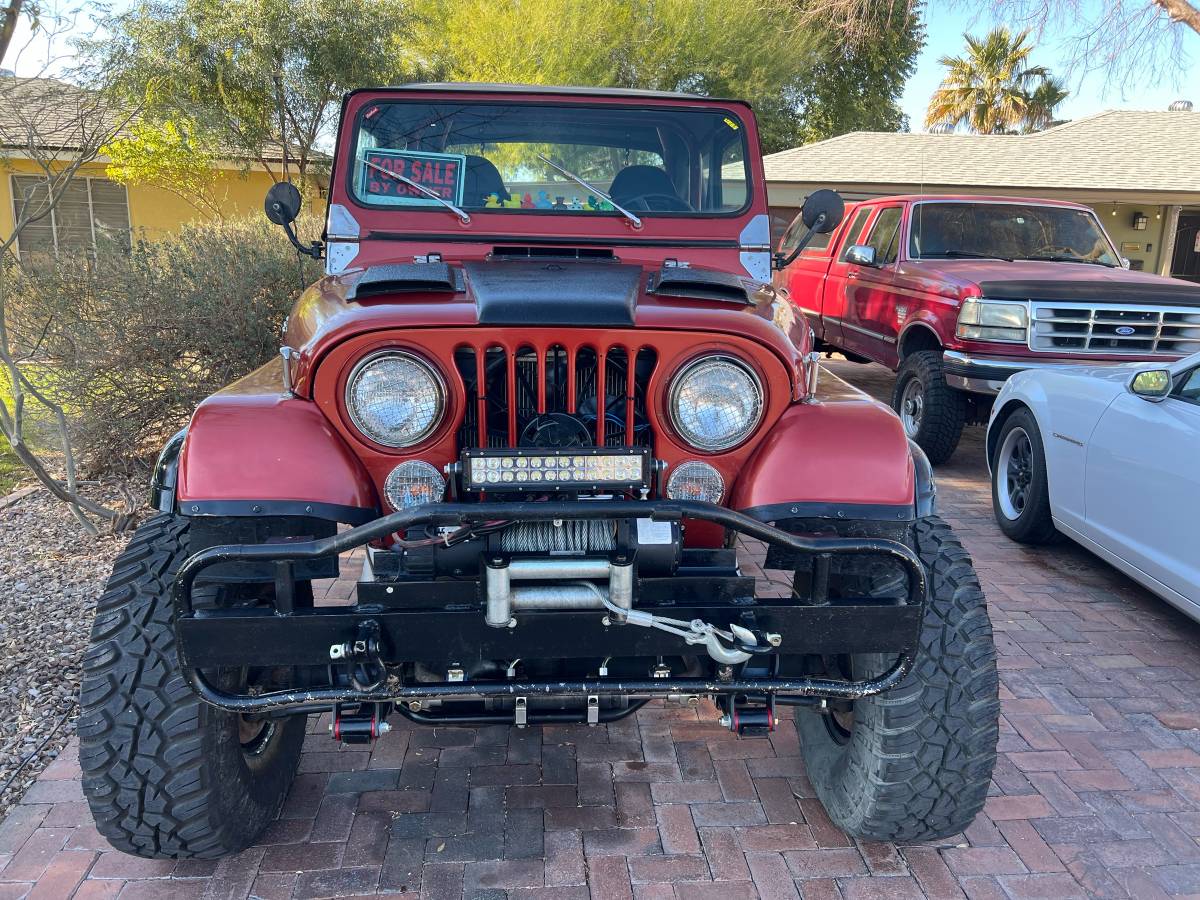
(129, 341)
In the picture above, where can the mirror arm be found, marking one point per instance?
(782, 262)
(313, 249)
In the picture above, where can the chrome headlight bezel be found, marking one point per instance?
(437, 383)
(679, 381)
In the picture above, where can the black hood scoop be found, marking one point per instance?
(564, 293)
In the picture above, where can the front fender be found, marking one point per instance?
(842, 460)
(254, 450)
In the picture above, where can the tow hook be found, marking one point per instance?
(360, 726)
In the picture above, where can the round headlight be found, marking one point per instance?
(395, 399)
(414, 483)
(695, 480)
(716, 403)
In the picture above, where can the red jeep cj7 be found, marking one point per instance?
(958, 293)
(548, 387)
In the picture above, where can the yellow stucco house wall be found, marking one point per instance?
(152, 212)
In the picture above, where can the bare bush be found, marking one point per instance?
(127, 342)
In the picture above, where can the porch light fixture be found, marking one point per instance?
(1140, 221)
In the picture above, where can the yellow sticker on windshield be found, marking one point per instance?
(732, 124)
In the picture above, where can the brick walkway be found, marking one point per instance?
(1097, 791)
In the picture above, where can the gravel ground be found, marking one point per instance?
(51, 572)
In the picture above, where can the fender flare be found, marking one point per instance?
(837, 460)
(251, 450)
(165, 475)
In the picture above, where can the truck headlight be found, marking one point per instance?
(983, 320)
(716, 403)
(395, 398)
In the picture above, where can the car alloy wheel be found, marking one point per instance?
(912, 407)
(1014, 472)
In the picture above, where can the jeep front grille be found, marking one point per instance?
(551, 396)
(1140, 330)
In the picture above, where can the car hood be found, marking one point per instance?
(1072, 282)
(557, 293)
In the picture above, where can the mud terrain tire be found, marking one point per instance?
(916, 761)
(165, 774)
(943, 410)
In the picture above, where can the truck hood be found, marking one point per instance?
(560, 293)
(1073, 282)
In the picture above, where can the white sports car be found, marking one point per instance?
(1110, 457)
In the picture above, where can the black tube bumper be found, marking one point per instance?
(454, 626)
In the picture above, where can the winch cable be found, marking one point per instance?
(694, 632)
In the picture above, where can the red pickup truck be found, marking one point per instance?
(955, 294)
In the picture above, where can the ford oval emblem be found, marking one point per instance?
(1126, 330)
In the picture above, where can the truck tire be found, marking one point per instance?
(165, 774)
(933, 413)
(915, 763)
(1020, 491)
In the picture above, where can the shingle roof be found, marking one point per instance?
(1115, 150)
(65, 116)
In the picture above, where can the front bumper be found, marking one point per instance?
(444, 619)
(987, 374)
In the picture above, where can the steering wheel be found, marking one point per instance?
(1048, 250)
(662, 203)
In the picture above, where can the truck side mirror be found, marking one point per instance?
(283, 203)
(861, 255)
(822, 212)
(1151, 384)
(282, 206)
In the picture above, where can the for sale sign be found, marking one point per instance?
(440, 173)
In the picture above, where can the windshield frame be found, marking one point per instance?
(991, 201)
(352, 149)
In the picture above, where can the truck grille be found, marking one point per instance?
(555, 396)
(1138, 330)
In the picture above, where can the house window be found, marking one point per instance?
(90, 212)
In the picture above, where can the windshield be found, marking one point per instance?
(1008, 231)
(519, 158)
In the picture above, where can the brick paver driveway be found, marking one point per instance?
(1097, 791)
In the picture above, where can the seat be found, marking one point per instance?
(646, 188)
(481, 179)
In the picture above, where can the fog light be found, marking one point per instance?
(696, 480)
(414, 483)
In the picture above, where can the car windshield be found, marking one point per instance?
(519, 158)
(1008, 231)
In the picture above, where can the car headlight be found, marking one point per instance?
(716, 403)
(395, 398)
(981, 320)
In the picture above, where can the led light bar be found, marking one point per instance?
(571, 469)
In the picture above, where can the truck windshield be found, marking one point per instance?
(653, 161)
(1008, 231)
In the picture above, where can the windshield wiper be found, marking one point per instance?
(962, 254)
(1062, 257)
(633, 220)
(463, 217)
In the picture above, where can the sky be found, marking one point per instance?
(945, 24)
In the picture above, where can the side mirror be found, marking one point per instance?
(821, 213)
(1126, 263)
(283, 203)
(282, 206)
(861, 255)
(1152, 384)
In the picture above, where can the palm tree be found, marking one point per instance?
(992, 89)
(1042, 102)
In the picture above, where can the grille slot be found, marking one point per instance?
(511, 390)
(1114, 330)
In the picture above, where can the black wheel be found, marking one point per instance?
(933, 413)
(165, 774)
(914, 763)
(1020, 493)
